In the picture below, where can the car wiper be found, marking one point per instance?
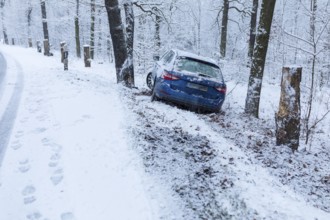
(201, 74)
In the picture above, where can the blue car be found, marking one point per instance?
(188, 79)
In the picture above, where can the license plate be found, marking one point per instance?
(197, 86)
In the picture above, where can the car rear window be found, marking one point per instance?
(199, 67)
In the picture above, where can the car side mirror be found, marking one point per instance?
(156, 57)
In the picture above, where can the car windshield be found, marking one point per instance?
(199, 67)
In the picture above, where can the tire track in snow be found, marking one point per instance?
(8, 118)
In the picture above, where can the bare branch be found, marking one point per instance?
(299, 38)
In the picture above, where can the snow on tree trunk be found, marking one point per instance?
(224, 25)
(253, 25)
(4, 30)
(92, 39)
(288, 116)
(77, 31)
(157, 34)
(118, 38)
(259, 58)
(129, 13)
(45, 27)
(87, 56)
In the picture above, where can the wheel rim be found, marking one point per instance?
(149, 81)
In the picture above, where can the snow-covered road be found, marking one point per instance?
(11, 87)
(68, 156)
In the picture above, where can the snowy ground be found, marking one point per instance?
(83, 147)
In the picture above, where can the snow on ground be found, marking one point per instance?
(84, 147)
(68, 156)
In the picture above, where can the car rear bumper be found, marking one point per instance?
(165, 92)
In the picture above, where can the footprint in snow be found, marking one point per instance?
(16, 145)
(54, 160)
(19, 134)
(34, 216)
(40, 130)
(24, 166)
(67, 216)
(28, 192)
(41, 117)
(57, 177)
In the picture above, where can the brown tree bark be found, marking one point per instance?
(288, 116)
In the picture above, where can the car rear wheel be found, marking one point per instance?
(149, 81)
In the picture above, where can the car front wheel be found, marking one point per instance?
(149, 80)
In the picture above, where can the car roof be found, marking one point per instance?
(182, 53)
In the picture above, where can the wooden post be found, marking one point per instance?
(46, 47)
(62, 51)
(65, 56)
(30, 42)
(39, 47)
(87, 57)
(288, 116)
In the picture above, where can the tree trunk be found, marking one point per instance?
(117, 36)
(311, 97)
(129, 14)
(28, 14)
(224, 25)
(4, 30)
(77, 32)
(253, 25)
(259, 58)
(288, 116)
(157, 35)
(92, 41)
(45, 27)
(87, 56)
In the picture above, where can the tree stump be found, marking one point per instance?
(62, 51)
(288, 116)
(64, 54)
(30, 42)
(39, 47)
(46, 47)
(87, 56)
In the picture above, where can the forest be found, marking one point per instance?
(223, 30)
(274, 56)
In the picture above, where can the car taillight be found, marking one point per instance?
(222, 89)
(168, 76)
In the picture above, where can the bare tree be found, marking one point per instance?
(259, 58)
(224, 27)
(92, 40)
(4, 30)
(45, 27)
(129, 14)
(253, 26)
(77, 31)
(118, 41)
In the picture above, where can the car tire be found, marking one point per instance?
(149, 81)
